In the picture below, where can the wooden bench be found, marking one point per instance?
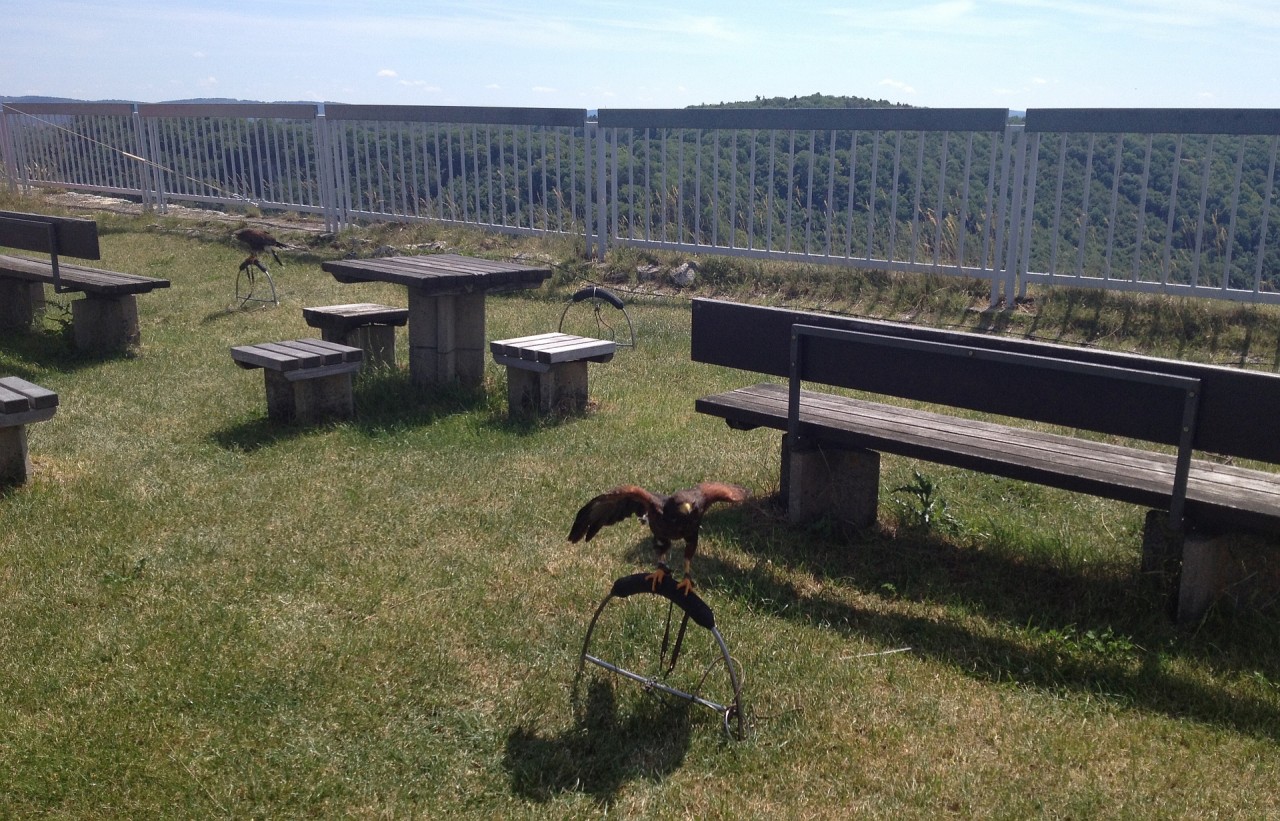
(306, 379)
(21, 403)
(106, 320)
(833, 442)
(547, 373)
(364, 325)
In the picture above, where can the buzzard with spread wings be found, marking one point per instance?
(677, 516)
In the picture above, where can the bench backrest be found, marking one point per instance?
(1103, 398)
(1234, 410)
(57, 236)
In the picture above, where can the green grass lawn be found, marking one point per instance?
(203, 614)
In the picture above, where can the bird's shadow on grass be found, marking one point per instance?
(1057, 629)
(602, 751)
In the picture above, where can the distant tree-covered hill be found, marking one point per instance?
(808, 101)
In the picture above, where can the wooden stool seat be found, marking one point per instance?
(548, 372)
(306, 379)
(21, 403)
(365, 325)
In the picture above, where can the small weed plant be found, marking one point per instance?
(924, 510)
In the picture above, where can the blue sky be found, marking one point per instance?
(1013, 54)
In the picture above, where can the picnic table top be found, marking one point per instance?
(440, 273)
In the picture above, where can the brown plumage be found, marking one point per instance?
(257, 241)
(677, 516)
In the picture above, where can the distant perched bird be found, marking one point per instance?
(258, 241)
(677, 516)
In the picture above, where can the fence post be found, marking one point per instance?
(1018, 221)
(6, 146)
(149, 179)
(325, 180)
(601, 201)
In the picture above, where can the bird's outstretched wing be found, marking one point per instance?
(713, 492)
(611, 507)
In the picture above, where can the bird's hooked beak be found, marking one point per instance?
(685, 508)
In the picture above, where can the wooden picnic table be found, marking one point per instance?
(446, 306)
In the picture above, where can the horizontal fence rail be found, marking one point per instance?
(1172, 201)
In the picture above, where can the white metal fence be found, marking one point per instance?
(890, 189)
(1157, 200)
(1166, 201)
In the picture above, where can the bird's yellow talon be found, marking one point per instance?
(686, 584)
(656, 578)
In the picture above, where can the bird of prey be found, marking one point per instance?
(677, 516)
(258, 241)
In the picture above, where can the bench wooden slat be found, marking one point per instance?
(300, 374)
(331, 350)
(309, 356)
(17, 394)
(295, 354)
(1216, 493)
(78, 277)
(76, 237)
(344, 318)
(554, 348)
(255, 356)
(13, 402)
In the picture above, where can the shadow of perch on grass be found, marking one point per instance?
(602, 751)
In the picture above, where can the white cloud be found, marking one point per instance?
(898, 85)
(387, 72)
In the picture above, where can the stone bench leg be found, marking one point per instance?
(309, 400)
(377, 341)
(446, 338)
(1236, 570)
(824, 479)
(105, 324)
(20, 303)
(15, 462)
(562, 389)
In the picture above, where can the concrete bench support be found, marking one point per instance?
(825, 479)
(20, 303)
(306, 380)
(364, 325)
(21, 403)
(105, 324)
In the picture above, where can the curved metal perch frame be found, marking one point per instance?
(598, 297)
(247, 287)
(693, 608)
